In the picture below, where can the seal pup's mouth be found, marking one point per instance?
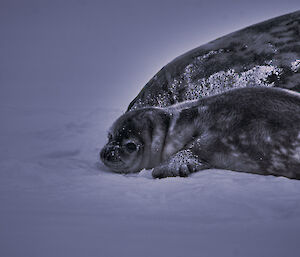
(116, 166)
(113, 161)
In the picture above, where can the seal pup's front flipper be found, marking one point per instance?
(180, 164)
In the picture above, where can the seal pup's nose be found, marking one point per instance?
(110, 154)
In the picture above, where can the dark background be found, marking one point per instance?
(79, 54)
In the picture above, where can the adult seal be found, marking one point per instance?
(265, 54)
(255, 130)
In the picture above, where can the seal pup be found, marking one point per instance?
(255, 130)
(266, 54)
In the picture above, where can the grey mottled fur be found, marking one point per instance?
(254, 130)
(266, 54)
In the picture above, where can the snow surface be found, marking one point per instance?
(58, 200)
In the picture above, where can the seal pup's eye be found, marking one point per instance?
(131, 147)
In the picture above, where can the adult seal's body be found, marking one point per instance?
(254, 130)
(266, 54)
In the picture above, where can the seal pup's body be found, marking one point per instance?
(254, 130)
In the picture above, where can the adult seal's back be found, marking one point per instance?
(265, 54)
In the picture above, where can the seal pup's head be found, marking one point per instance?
(135, 140)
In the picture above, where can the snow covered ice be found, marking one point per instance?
(57, 199)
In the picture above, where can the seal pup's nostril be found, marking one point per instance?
(109, 154)
(112, 156)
